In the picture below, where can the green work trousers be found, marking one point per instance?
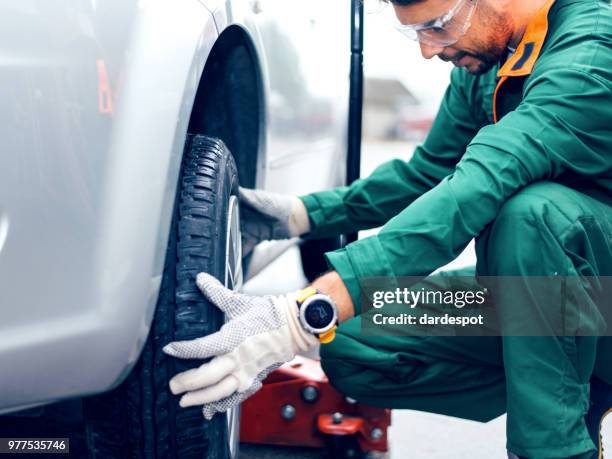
(542, 382)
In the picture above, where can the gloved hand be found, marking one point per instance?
(261, 334)
(267, 216)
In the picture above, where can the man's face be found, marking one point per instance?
(481, 47)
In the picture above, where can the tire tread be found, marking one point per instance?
(141, 419)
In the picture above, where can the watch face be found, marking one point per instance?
(319, 314)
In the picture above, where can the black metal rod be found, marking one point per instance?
(353, 158)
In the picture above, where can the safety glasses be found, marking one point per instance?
(445, 30)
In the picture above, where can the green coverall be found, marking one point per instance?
(526, 170)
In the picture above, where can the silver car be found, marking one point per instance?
(126, 126)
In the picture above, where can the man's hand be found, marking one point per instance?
(267, 216)
(262, 333)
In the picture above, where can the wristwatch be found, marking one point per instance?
(318, 314)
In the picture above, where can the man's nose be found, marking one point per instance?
(428, 51)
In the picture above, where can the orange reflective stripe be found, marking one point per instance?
(499, 85)
(528, 50)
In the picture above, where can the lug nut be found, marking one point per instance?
(337, 418)
(288, 412)
(310, 394)
(376, 433)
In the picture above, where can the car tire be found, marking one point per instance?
(141, 418)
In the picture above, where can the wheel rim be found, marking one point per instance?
(233, 249)
(233, 280)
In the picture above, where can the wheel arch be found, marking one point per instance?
(230, 102)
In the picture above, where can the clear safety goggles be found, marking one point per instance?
(445, 30)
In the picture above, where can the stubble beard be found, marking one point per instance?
(492, 48)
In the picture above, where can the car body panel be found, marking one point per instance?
(97, 105)
(96, 100)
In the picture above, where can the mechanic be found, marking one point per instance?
(520, 158)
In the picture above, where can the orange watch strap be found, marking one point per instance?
(328, 336)
(302, 295)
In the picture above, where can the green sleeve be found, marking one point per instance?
(372, 201)
(561, 129)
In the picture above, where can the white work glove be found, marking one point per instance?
(261, 334)
(267, 216)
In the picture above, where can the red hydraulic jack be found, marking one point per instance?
(298, 407)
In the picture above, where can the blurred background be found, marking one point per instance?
(402, 90)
